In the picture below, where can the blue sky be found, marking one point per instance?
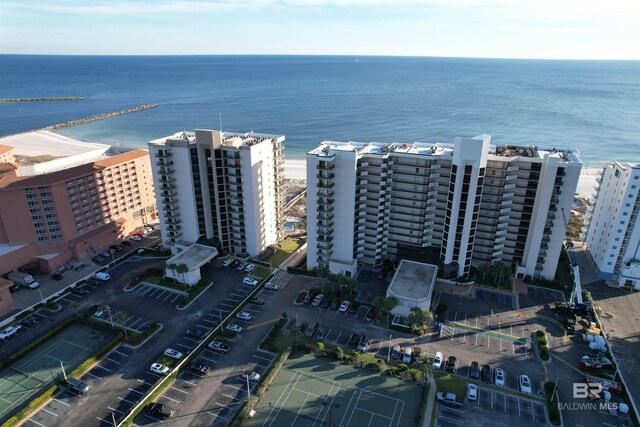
(568, 29)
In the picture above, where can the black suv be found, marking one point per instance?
(194, 334)
(353, 341)
(159, 410)
(452, 364)
(486, 374)
(78, 291)
(474, 370)
(200, 369)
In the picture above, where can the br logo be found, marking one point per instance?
(584, 390)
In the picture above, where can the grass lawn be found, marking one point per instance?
(563, 272)
(287, 247)
(260, 272)
(450, 384)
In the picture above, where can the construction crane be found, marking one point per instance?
(575, 303)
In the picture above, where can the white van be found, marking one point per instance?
(408, 355)
(103, 277)
(437, 361)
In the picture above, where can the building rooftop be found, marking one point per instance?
(5, 149)
(229, 139)
(413, 280)
(437, 149)
(194, 257)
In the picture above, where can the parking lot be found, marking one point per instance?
(149, 290)
(493, 408)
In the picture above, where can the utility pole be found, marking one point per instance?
(389, 349)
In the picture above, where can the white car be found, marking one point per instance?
(10, 331)
(252, 375)
(227, 262)
(172, 353)
(249, 281)
(271, 286)
(500, 377)
(159, 368)
(234, 328)
(344, 306)
(249, 268)
(525, 384)
(437, 361)
(101, 312)
(241, 266)
(243, 315)
(472, 391)
(136, 238)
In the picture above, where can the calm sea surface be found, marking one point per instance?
(593, 106)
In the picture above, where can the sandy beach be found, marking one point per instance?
(43, 143)
(587, 182)
(295, 169)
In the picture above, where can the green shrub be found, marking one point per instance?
(403, 367)
(339, 353)
(552, 406)
(320, 347)
(440, 312)
(544, 352)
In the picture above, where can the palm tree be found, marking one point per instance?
(75, 306)
(419, 317)
(182, 268)
(171, 267)
(121, 319)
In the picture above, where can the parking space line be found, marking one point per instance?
(33, 421)
(505, 403)
(263, 358)
(177, 389)
(519, 414)
(139, 328)
(131, 324)
(114, 361)
(115, 410)
(168, 398)
(208, 360)
(188, 382)
(102, 367)
(175, 298)
(336, 340)
(60, 401)
(232, 398)
(144, 382)
(237, 388)
(168, 295)
(533, 413)
(94, 376)
(136, 391)
(208, 321)
(182, 345)
(119, 352)
(217, 416)
(125, 400)
(49, 412)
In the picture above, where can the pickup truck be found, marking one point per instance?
(450, 399)
(10, 331)
(219, 347)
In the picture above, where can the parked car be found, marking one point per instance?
(524, 383)
(307, 298)
(486, 374)
(253, 376)
(219, 347)
(396, 351)
(371, 314)
(474, 370)
(241, 266)
(335, 303)
(98, 259)
(363, 345)
(320, 334)
(271, 286)
(317, 300)
(101, 311)
(159, 410)
(173, 353)
(450, 399)
(243, 315)
(57, 276)
(472, 391)
(257, 301)
(102, 277)
(194, 334)
(407, 355)
(452, 365)
(249, 268)
(126, 243)
(249, 281)
(200, 369)
(311, 330)
(10, 331)
(30, 321)
(353, 341)
(105, 254)
(500, 377)
(78, 291)
(326, 303)
(437, 360)
(159, 368)
(344, 306)
(136, 237)
(76, 386)
(234, 328)
(116, 248)
(235, 263)
(227, 262)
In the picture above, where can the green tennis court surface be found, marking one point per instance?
(35, 372)
(315, 392)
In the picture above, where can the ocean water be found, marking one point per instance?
(593, 106)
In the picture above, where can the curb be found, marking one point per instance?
(135, 347)
(196, 298)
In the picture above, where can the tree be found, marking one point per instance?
(121, 319)
(387, 265)
(385, 305)
(75, 307)
(182, 268)
(172, 267)
(424, 365)
(419, 317)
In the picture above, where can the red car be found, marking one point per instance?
(371, 314)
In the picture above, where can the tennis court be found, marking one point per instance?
(314, 392)
(38, 369)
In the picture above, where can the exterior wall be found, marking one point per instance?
(468, 203)
(6, 154)
(613, 232)
(73, 214)
(6, 300)
(190, 278)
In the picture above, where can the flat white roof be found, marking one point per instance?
(194, 257)
(413, 280)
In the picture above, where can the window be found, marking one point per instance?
(633, 187)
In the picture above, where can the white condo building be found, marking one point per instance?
(613, 231)
(219, 185)
(452, 205)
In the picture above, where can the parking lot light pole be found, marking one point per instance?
(113, 418)
(248, 389)
(389, 349)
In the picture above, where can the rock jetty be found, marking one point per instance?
(66, 98)
(88, 119)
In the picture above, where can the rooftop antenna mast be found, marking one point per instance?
(220, 117)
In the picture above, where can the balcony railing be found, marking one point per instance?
(326, 166)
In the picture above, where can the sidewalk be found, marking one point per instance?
(431, 400)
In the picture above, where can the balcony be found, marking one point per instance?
(167, 180)
(325, 184)
(163, 154)
(324, 245)
(326, 166)
(325, 200)
(325, 175)
(172, 214)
